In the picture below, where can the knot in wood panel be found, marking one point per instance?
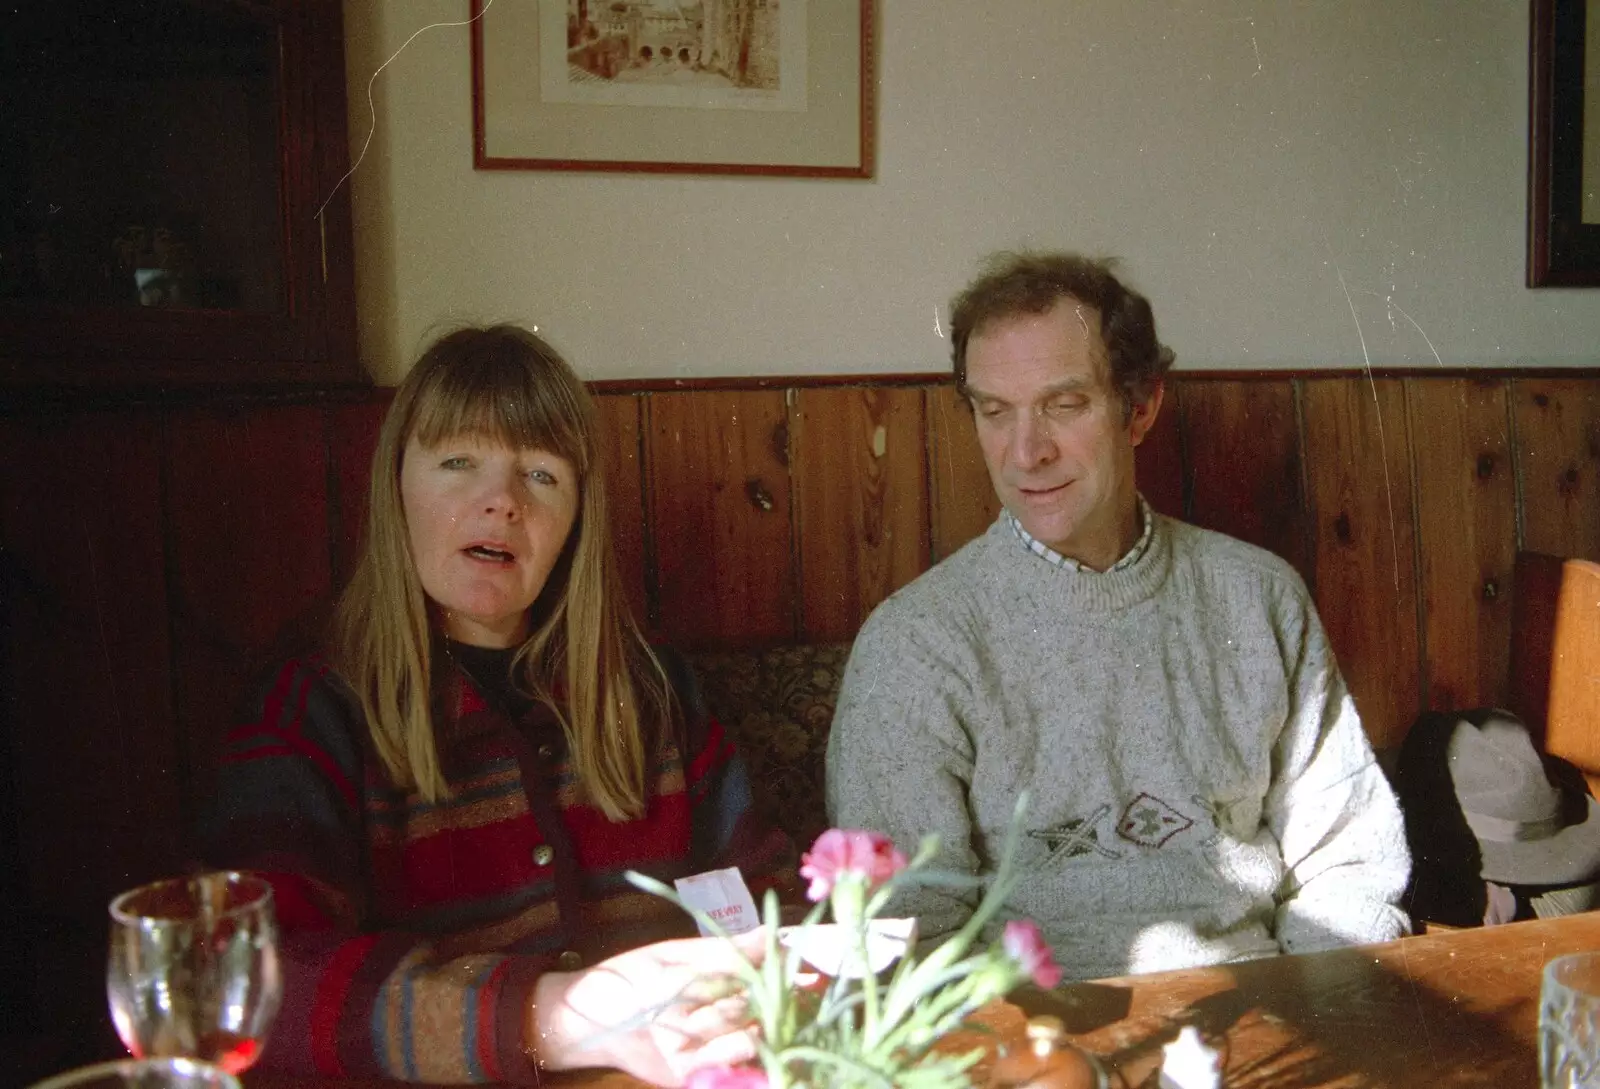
(1341, 528)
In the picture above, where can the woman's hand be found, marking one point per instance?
(657, 1012)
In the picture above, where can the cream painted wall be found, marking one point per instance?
(1294, 183)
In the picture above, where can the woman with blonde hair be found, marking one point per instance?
(446, 797)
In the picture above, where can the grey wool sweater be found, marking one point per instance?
(1201, 788)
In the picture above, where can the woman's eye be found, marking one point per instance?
(541, 476)
(454, 463)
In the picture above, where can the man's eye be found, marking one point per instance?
(1062, 406)
(991, 412)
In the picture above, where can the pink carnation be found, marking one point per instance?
(1024, 944)
(847, 852)
(727, 1077)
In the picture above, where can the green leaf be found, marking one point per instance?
(846, 1063)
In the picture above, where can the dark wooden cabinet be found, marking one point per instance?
(171, 206)
(177, 322)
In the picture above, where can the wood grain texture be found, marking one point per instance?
(1572, 709)
(247, 515)
(1241, 444)
(622, 443)
(86, 678)
(1159, 458)
(1364, 563)
(1558, 457)
(861, 503)
(1555, 676)
(352, 437)
(1458, 1008)
(961, 500)
(1467, 537)
(720, 507)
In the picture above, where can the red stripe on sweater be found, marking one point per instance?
(488, 1007)
(272, 706)
(299, 718)
(662, 833)
(290, 743)
(332, 991)
(294, 905)
(711, 756)
(430, 866)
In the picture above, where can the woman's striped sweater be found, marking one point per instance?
(413, 933)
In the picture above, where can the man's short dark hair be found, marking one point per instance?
(1014, 284)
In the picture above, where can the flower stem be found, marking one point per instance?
(817, 1056)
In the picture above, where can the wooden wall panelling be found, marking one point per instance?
(1555, 656)
(1159, 457)
(87, 693)
(91, 761)
(621, 423)
(861, 502)
(352, 437)
(1356, 450)
(961, 500)
(247, 511)
(1557, 425)
(1241, 442)
(1467, 537)
(719, 499)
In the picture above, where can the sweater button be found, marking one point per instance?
(570, 961)
(546, 751)
(543, 855)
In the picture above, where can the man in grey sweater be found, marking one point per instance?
(1201, 787)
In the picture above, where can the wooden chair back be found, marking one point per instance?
(1555, 657)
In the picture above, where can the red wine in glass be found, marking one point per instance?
(193, 968)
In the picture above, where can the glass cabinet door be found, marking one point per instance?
(163, 165)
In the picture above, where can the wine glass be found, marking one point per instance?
(193, 969)
(1569, 1022)
(143, 1074)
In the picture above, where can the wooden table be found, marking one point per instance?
(1449, 1009)
(1458, 1008)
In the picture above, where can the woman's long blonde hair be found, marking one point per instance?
(505, 385)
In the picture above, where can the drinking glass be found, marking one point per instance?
(168, 1073)
(1569, 1023)
(193, 970)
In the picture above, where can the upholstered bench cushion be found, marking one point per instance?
(778, 705)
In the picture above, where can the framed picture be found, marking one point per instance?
(1564, 144)
(714, 87)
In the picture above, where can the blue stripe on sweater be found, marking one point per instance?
(398, 816)
(380, 1033)
(469, 1046)
(408, 1034)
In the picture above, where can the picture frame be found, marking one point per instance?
(1564, 144)
(733, 87)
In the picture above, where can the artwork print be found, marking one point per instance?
(708, 54)
(747, 87)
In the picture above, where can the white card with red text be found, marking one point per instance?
(723, 895)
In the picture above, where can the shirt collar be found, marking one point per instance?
(1066, 563)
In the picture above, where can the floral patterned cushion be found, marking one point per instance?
(778, 705)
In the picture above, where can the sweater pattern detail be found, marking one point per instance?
(1151, 822)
